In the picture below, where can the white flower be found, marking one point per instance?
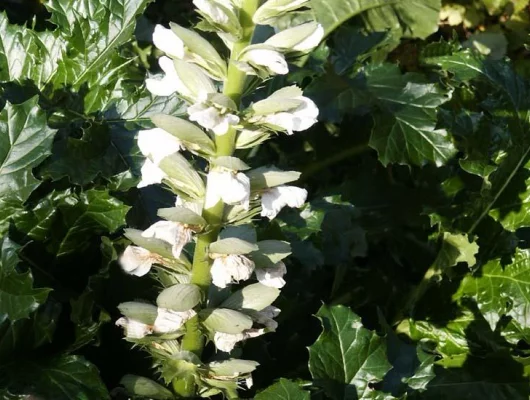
(256, 59)
(196, 82)
(273, 276)
(227, 341)
(169, 84)
(230, 268)
(212, 118)
(157, 144)
(274, 199)
(174, 233)
(272, 10)
(286, 110)
(302, 38)
(230, 187)
(151, 174)
(134, 329)
(166, 40)
(216, 11)
(171, 321)
(137, 260)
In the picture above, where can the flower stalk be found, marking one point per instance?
(233, 87)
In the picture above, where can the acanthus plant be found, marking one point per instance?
(224, 293)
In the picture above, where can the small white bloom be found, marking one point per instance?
(299, 119)
(256, 59)
(272, 10)
(157, 144)
(227, 341)
(166, 40)
(134, 329)
(151, 174)
(196, 82)
(212, 118)
(174, 233)
(273, 276)
(230, 187)
(169, 84)
(274, 199)
(213, 11)
(301, 38)
(171, 321)
(137, 260)
(230, 268)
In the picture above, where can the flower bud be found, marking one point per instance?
(262, 60)
(271, 10)
(213, 112)
(301, 38)
(285, 110)
(228, 186)
(219, 16)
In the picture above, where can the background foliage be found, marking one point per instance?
(415, 237)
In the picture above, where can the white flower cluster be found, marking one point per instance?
(213, 201)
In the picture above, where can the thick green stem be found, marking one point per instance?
(233, 87)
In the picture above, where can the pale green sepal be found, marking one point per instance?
(232, 246)
(245, 232)
(144, 387)
(270, 252)
(191, 136)
(183, 215)
(180, 365)
(232, 367)
(283, 100)
(252, 297)
(288, 40)
(268, 177)
(202, 52)
(231, 26)
(141, 312)
(182, 177)
(180, 297)
(216, 386)
(225, 320)
(194, 78)
(222, 102)
(249, 138)
(231, 163)
(154, 245)
(274, 9)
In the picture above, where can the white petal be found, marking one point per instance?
(226, 341)
(134, 329)
(274, 199)
(136, 260)
(151, 174)
(194, 206)
(273, 60)
(173, 233)
(249, 382)
(212, 10)
(157, 143)
(171, 321)
(231, 268)
(273, 276)
(165, 40)
(236, 189)
(284, 120)
(306, 115)
(311, 41)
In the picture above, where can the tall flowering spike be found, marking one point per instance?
(213, 190)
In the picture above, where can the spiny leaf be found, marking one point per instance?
(347, 357)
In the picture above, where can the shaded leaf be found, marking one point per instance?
(284, 389)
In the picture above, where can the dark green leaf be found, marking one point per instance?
(347, 357)
(284, 389)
